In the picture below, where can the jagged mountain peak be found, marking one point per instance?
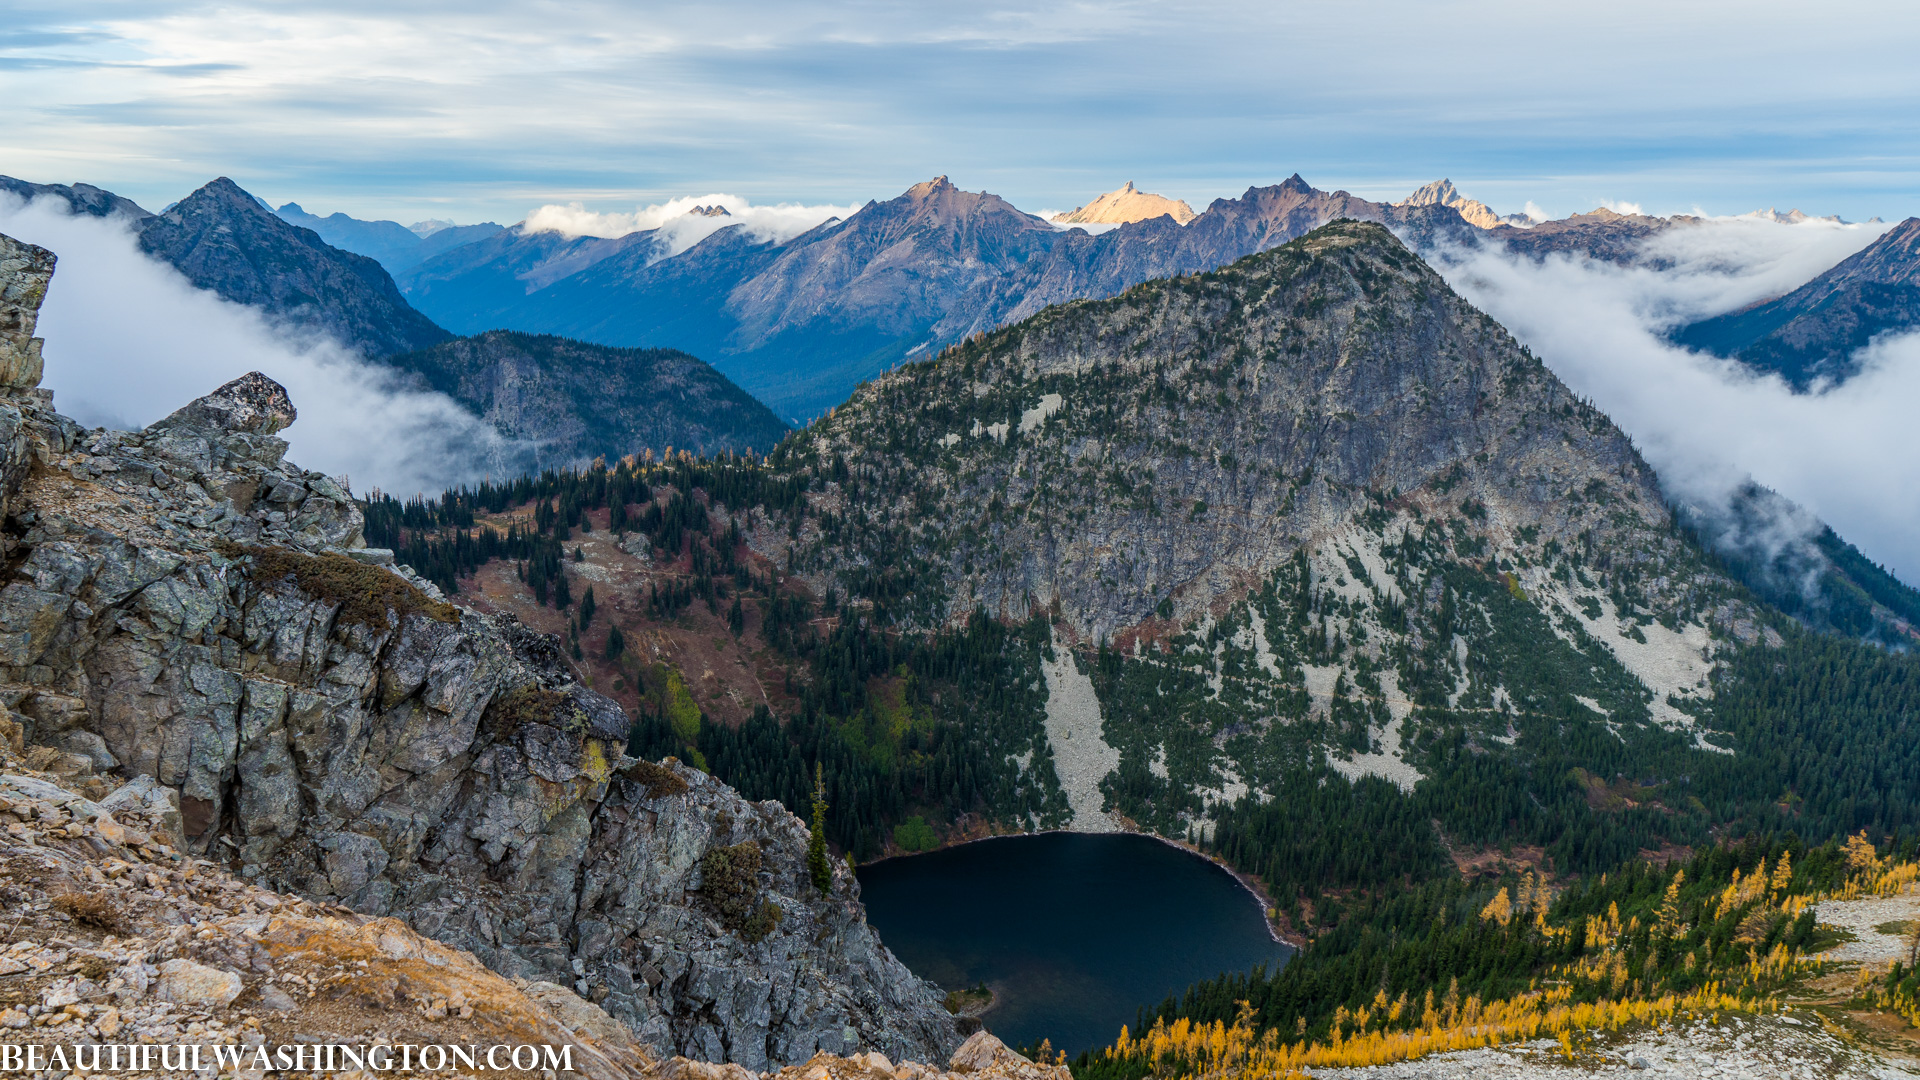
(938, 185)
(1443, 193)
(1439, 193)
(220, 191)
(225, 240)
(1126, 204)
(1263, 407)
(940, 199)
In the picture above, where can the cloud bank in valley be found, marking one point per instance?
(1707, 424)
(129, 340)
(682, 228)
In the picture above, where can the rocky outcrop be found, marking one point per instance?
(116, 936)
(1124, 205)
(189, 607)
(25, 271)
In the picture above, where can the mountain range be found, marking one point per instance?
(395, 246)
(569, 401)
(1299, 560)
(800, 322)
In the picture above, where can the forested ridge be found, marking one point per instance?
(921, 726)
(1520, 656)
(1459, 963)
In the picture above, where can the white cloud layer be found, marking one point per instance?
(1706, 424)
(680, 227)
(129, 340)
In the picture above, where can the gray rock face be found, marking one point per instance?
(1184, 439)
(251, 403)
(26, 270)
(183, 609)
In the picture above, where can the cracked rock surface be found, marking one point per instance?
(190, 608)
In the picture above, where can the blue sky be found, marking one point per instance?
(477, 110)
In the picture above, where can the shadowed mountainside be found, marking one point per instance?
(1813, 333)
(578, 401)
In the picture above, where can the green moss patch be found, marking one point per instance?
(365, 594)
(523, 705)
(660, 781)
(730, 877)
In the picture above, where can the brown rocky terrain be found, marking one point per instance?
(116, 935)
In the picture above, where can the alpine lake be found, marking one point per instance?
(1074, 933)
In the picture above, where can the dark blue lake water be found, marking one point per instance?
(1072, 932)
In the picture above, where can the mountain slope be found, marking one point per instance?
(1813, 332)
(1308, 516)
(579, 401)
(223, 240)
(485, 285)
(83, 198)
(1267, 402)
(395, 246)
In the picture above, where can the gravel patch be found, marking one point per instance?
(1738, 1048)
(1861, 916)
(1081, 757)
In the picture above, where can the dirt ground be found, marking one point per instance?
(726, 676)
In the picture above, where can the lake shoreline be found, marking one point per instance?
(1253, 886)
(1037, 919)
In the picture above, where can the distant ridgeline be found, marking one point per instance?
(1363, 593)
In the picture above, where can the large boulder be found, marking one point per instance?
(251, 403)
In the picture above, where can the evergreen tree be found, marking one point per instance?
(586, 608)
(737, 618)
(616, 644)
(817, 864)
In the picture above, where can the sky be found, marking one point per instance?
(481, 110)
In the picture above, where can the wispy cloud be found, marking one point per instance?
(1707, 424)
(128, 340)
(682, 228)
